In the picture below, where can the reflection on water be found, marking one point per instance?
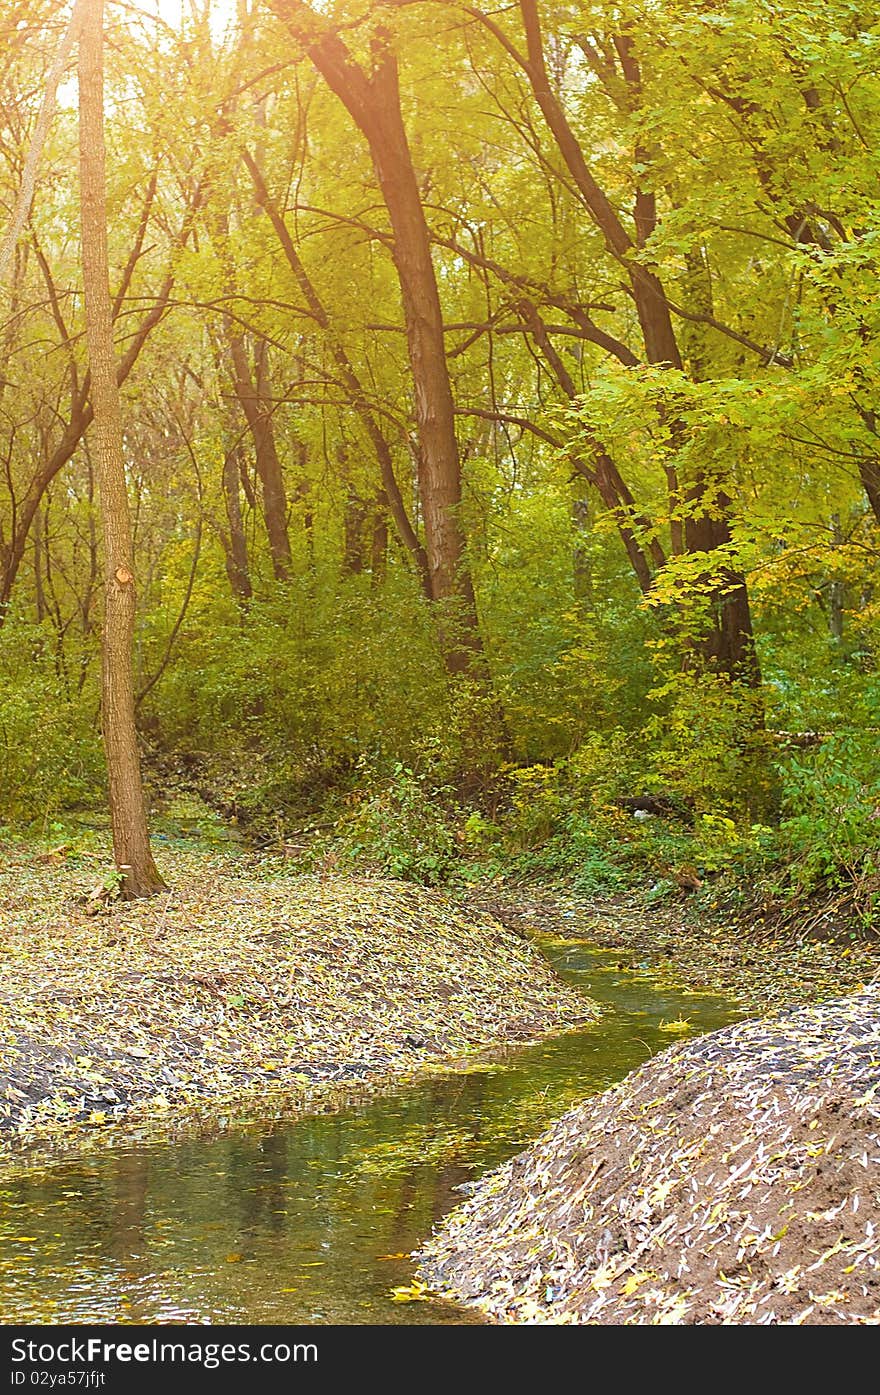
(310, 1221)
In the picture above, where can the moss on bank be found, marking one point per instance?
(237, 984)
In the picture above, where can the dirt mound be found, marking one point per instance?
(234, 983)
(735, 1178)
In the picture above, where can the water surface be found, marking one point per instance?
(311, 1221)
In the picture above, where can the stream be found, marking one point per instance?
(312, 1221)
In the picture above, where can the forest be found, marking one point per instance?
(440, 482)
(500, 433)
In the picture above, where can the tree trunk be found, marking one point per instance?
(373, 101)
(379, 540)
(359, 398)
(727, 642)
(81, 418)
(582, 559)
(439, 465)
(41, 131)
(38, 570)
(354, 521)
(869, 474)
(650, 300)
(836, 593)
(131, 839)
(237, 569)
(250, 391)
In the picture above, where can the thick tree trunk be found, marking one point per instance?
(131, 840)
(869, 474)
(439, 465)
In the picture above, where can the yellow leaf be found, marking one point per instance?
(416, 1292)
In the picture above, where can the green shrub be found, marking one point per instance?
(709, 747)
(832, 812)
(50, 753)
(399, 826)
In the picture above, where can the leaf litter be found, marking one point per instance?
(753, 962)
(734, 1178)
(239, 983)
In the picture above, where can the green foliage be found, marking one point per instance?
(832, 822)
(50, 756)
(708, 745)
(610, 504)
(592, 857)
(112, 881)
(308, 681)
(399, 825)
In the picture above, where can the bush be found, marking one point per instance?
(832, 805)
(50, 753)
(400, 826)
(710, 747)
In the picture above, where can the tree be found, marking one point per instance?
(373, 101)
(128, 814)
(699, 508)
(632, 247)
(29, 174)
(359, 398)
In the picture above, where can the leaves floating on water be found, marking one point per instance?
(759, 966)
(429, 1145)
(416, 1292)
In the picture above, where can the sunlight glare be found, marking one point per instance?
(179, 14)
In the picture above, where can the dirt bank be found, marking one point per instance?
(756, 963)
(734, 1178)
(235, 983)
